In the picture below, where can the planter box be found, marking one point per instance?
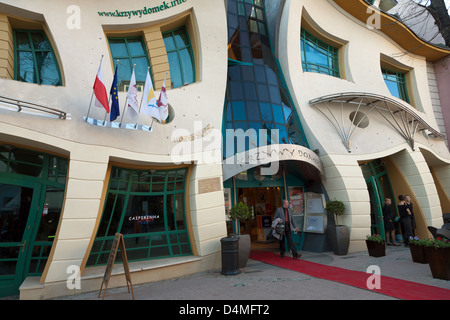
(376, 249)
(439, 260)
(418, 253)
(339, 239)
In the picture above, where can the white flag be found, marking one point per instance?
(163, 103)
(149, 105)
(132, 94)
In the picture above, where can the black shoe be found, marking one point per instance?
(282, 255)
(297, 256)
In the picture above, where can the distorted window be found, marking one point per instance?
(148, 208)
(396, 83)
(179, 53)
(318, 56)
(35, 61)
(129, 51)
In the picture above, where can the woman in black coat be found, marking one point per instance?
(405, 221)
(389, 227)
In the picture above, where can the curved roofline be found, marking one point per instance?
(395, 29)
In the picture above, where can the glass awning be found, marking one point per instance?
(402, 118)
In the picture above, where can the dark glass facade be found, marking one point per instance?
(148, 208)
(257, 97)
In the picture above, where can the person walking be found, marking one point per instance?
(405, 221)
(285, 215)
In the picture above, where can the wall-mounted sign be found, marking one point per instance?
(269, 154)
(196, 135)
(141, 12)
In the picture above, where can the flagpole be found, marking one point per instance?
(92, 95)
(90, 103)
(142, 98)
(151, 124)
(126, 100)
(106, 113)
(164, 83)
(123, 112)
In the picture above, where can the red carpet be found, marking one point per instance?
(393, 287)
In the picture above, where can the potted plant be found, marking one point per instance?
(439, 258)
(417, 249)
(375, 245)
(338, 235)
(237, 213)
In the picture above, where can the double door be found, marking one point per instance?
(29, 214)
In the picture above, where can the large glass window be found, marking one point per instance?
(147, 207)
(257, 96)
(318, 56)
(35, 61)
(396, 83)
(129, 51)
(179, 53)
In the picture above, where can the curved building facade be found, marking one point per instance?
(266, 100)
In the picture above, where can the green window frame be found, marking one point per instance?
(396, 83)
(34, 59)
(180, 56)
(148, 208)
(318, 56)
(130, 51)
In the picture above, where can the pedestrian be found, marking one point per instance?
(389, 227)
(405, 221)
(285, 215)
(411, 217)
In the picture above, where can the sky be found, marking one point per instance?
(424, 2)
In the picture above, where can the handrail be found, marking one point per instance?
(20, 104)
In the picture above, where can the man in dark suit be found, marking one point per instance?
(285, 214)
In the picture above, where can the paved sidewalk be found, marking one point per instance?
(260, 281)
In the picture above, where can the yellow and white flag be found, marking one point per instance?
(149, 105)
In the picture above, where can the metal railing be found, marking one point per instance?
(31, 107)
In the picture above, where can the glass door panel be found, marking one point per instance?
(15, 204)
(376, 213)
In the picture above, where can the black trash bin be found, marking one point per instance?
(230, 256)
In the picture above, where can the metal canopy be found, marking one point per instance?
(401, 117)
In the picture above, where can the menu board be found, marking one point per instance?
(296, 200)
(315, 217)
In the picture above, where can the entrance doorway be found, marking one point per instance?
(31, 198)
(379, 187)
(262, 202)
